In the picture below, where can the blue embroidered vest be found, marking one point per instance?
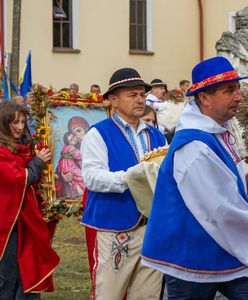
(116, 211)
(173, 236)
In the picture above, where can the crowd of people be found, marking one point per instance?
(194, 238)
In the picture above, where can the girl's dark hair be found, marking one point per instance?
(8, 112)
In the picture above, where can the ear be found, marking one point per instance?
(204, 98)
(113, 99)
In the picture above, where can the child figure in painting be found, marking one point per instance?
(71, 162)
(27, 259)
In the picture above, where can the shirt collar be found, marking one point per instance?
(150, 96)
(142, 125)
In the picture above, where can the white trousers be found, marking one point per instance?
(118, 269)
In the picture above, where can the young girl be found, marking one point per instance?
(150, 116)
(27, 259)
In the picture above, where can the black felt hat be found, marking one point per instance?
(125, 77)
(158, 82)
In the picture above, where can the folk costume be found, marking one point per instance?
(157, 104)
(21, 220)
(109, 149)
(201, 202)
(99, 205)
(151, 100)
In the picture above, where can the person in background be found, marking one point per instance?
(168, 117)
(29, 99)
(30, 121)
(184, 86)
(74, 90)
(64, 89)
(150, 116)
(95, 88)
(110, 207)
(156, 94)
(197, 230)
(18, 100)
(27, 259)
(155, 98)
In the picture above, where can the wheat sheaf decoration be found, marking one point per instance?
(242, 115)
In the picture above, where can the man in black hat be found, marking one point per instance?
(109, 150)
(156, 94)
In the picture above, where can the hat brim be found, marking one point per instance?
(189, 94)
(159, 84)
(127, 84)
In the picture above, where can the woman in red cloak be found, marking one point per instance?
(27, 259)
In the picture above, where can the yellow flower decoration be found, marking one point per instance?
(48, 169)
(94, 96)
(65, 95)
(43, 131)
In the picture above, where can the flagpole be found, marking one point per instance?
(2, 32)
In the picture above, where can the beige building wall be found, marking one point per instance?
(103, 40)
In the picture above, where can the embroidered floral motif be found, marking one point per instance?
(120, 249)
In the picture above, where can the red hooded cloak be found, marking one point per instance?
(36, 258)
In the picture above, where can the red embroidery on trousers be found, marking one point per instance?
(93, 279)
(120, 249)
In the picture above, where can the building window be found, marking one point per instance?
(138, 25)
(62, 24)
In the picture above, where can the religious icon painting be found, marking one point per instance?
(69, 128)
(60, 122)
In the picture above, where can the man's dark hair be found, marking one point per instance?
(95, 86)
(182, 82)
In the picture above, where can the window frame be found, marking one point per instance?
(72, 31)
(147, 24)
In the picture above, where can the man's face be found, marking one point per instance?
(158, 91)
(185, 87)
(223, 104)
(129, 102)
